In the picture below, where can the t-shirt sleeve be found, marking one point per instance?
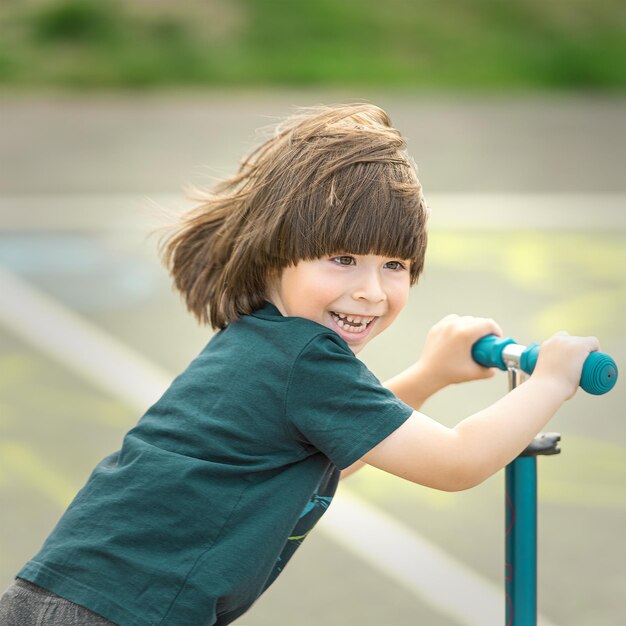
(335, 404)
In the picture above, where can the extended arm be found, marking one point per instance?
(451, 459)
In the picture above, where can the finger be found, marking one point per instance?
(592, 343)
(495, 327)
(482, 326)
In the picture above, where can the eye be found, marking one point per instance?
(396, 266)
(344, 260)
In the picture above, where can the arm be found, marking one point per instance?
(451, 459)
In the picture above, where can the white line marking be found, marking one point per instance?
(417, 564)
(90, 352)
(387, 545)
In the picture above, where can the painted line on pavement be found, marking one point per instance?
(81, 346)
(415, 563)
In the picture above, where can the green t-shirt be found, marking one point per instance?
(221, 480)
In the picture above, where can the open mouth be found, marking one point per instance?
(352, 323)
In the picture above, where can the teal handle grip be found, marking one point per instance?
(599, 373)
(488, 351)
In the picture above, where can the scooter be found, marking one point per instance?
(599, 376)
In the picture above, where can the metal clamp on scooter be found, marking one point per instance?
(544, 444)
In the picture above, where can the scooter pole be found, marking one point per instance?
(521, 526)
(521, 542)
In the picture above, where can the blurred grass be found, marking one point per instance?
(485, 44)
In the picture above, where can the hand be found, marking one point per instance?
(561, 359)
(447, 354)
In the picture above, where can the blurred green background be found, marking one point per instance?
(516, 115)
(484, 44)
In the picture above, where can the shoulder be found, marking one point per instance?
(291, 337)
(258, 349)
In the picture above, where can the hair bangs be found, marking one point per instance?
(366, 208)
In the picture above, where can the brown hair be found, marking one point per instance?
(332, 179)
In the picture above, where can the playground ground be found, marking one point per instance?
(528, 227)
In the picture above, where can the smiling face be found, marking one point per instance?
(357, 296)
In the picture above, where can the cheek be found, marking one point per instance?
(324, 287)
(401, 296)
(312, 292)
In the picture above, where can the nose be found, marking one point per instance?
(369, 286)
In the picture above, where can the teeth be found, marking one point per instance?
(352, 323)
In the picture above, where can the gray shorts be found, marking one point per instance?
(24, 603)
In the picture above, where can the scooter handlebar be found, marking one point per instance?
(599, 373)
